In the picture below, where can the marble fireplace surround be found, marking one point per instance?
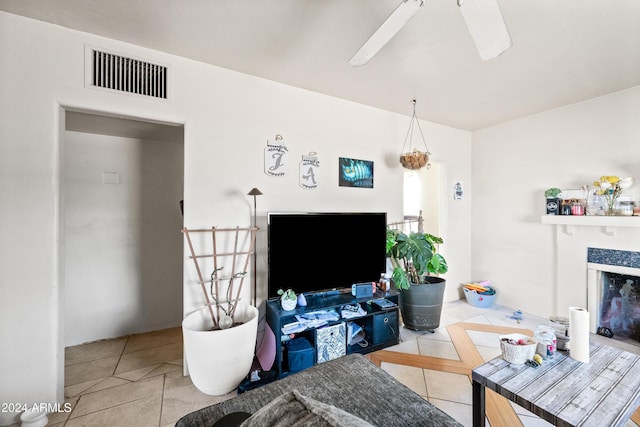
(614, 243)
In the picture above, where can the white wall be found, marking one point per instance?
(227, 117)
(123, 245)
(532, 267)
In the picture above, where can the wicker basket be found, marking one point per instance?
(414, 160)
(516, 353)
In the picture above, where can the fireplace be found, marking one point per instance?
(613, 286)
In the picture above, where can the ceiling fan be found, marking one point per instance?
(482, 17)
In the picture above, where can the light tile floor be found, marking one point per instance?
(138, 381)
(452, 392)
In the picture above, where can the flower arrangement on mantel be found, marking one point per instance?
(611, 187)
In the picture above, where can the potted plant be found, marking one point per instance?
(220, 336)
(416, 265)
(288, 299)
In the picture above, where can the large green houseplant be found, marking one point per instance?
(416, 265)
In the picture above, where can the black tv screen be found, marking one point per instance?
(316, 252)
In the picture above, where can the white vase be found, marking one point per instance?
(288, 304)
(302, 300)
(219, 360)
(33, 418)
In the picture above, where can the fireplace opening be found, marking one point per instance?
(619, 309)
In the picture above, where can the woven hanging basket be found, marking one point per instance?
(414, 160)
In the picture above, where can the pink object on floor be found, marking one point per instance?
(266, 354)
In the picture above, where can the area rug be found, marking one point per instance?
(499, 411)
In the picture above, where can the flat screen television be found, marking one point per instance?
(317, 252)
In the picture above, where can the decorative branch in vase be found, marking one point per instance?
(226, 321)
(611, 187)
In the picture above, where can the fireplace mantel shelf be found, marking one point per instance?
(609, 223)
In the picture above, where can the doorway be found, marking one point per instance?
(121, 185)
(423, 193)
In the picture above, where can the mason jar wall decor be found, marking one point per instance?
(275, 157)
(309, 171)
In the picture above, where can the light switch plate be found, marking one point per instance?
(110, 178)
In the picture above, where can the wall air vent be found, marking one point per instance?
(115, 72)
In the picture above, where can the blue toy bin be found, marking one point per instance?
(479, 300)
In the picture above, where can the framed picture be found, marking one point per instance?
(355, 173)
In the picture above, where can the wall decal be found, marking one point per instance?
(275, 157)
(355, 173)
(457, 191)
(309, 170)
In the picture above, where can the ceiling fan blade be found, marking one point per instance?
(486, 25)
(389, 28)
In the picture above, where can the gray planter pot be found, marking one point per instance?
(421, 304)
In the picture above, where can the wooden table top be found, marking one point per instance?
(603, 392)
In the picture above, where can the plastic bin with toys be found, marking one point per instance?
(479, 294)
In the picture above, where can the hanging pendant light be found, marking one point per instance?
(414, 159)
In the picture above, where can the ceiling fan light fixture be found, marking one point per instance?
(487, 27)
(389, 28)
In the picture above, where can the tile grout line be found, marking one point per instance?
(164, 384)
(426, 385)
(124, 347)
(75, 406)
(106, 409)
(148, 348)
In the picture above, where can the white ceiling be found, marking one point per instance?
(564, 51)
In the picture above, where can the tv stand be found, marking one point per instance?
(380, 325)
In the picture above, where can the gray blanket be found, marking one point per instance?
(351, 383)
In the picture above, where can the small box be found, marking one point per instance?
(331, 342)
(300, 354)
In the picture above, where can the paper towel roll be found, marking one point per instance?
(579, 334)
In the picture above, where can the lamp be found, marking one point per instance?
(254, 192)
(415, 159)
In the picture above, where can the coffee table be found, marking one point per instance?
(603, 392)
